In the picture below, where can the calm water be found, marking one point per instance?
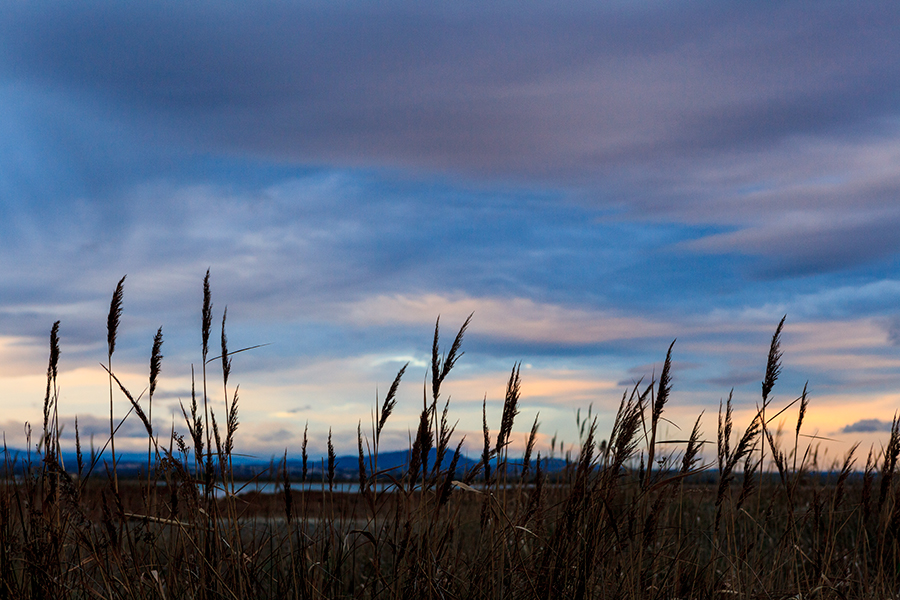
(346, 487)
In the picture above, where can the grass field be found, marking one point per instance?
(628, 517)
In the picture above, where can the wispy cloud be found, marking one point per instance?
(867, 426)
(519, 319)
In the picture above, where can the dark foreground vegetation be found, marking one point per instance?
(631, 516)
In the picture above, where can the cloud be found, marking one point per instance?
(808, 204)
(734, 378)
(867, 426)
(894, 331)
(278, 435)
(733, 117)
(176, 394)
(503, 89)
(876, 297)
(812, 242)
(520, 319)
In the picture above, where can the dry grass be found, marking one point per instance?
(629, 517)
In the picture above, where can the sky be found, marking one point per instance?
(591, 180)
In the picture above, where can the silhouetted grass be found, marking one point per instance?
(631, 516)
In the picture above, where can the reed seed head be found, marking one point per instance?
(226, 359)
(486, 452)
(232, 424)
(115, 313)
(665, 387)
(156, 357)
(304, 455)
(331, 460)
(690, 457)
(529, 446)
(441, 365)
(363, 478)
(53, 366)
(510, 408)
(206, 315)
(773, 363)
(804, 402)
(390, 401)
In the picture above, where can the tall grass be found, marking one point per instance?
(629, 516)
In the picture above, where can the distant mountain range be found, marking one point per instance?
(247, 467)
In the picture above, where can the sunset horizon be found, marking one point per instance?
(590, 182)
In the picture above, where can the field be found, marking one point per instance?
(628, 517)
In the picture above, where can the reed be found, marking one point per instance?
(632, 516)
(112, 329)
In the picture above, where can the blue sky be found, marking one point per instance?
(592, 181)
